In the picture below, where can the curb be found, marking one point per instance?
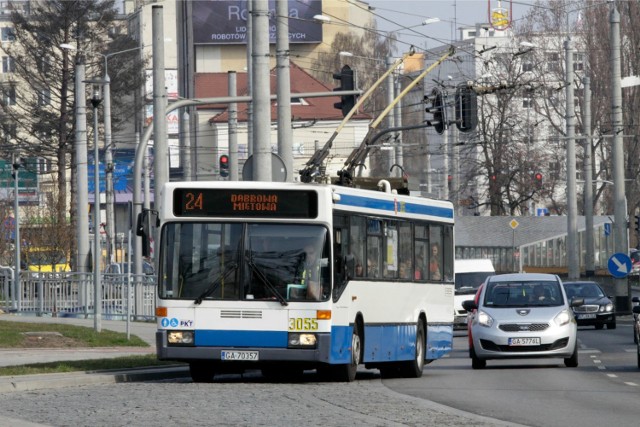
(74, 379)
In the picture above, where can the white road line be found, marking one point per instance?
(612, 375)
(631, 384)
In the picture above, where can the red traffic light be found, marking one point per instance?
(538, 176)
(224, 159)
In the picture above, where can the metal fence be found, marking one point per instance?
(72, 294)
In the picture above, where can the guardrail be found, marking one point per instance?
(72, 295)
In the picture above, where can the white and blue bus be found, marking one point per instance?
(233, 294)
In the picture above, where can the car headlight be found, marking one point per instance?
(563, 318)
(606, 308)
(180, 337)
(302, 340)
(484, 319)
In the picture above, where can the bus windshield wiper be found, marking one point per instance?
(266, 282)
(221, 277)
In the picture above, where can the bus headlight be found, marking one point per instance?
(302, 340)
(180, 337)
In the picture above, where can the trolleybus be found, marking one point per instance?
(288, 277)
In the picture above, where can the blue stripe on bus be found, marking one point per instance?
(439, 340)
(390, 206)
(217, 338)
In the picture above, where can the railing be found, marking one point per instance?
(72, 295)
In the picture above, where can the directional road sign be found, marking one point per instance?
(619, 265)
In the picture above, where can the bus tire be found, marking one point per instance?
(413, 368)
(347, 372)
(202, 372)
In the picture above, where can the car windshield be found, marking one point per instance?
(523, 294)
(468, 283)
(583, 290)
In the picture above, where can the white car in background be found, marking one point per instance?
(469, 275)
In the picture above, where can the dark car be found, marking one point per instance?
(598, 309)
(636, 320)
(636, 315)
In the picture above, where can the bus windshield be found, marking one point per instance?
(250, 261)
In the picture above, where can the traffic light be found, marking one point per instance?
(637, 224)
(537, 180)
(347, 82)
(466, 108)
(438, 110)
(224, 165)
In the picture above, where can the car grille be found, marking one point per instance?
(523, 327)
(491, 346)
(586, 309)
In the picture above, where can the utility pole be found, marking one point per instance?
(160, 145)
(390, 117)
(233, 129)
(80, 145)
(622, 286)
(250, 32)
(97, 252)
(108, 167)
(285, 137)
(572, 203)
(397, 112)
(589, 263)
(17, 291)
(260, 92)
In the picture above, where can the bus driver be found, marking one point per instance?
(311, 273)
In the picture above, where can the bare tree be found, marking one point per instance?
(38, 104)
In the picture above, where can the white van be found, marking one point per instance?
(469, 275)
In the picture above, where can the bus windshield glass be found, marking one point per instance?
(244, 261)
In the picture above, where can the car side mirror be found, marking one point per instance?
(469, 305)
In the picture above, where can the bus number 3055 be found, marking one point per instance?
(303, 324)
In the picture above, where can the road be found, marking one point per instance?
(603, 390)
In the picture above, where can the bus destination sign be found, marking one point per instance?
(245, 203)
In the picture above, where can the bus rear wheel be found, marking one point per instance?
(202, 372)
(413, 368)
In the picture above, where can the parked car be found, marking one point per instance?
(636, 316)
(469, 275)
(522, 315)
(598, 309)
(636, 320)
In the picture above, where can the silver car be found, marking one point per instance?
(522, 316)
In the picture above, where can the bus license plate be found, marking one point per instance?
(250, 356)
(524, 341)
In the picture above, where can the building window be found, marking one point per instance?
(8, 65)
(8, 34)
(578, 61)
(527, 67)
(44, 97)
(9, 95)
(553, 61)
(43, 65)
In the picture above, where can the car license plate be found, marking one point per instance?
(587, 316)
(250, 356)
(524, 341)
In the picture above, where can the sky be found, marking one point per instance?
(394, 15)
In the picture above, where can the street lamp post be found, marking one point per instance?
(96, 99)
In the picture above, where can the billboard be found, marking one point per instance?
(225, 22)
(27, 181)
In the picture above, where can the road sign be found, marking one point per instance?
(607, 229)
(514, 224)
(619, 265)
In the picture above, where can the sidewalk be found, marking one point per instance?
(13, 356)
